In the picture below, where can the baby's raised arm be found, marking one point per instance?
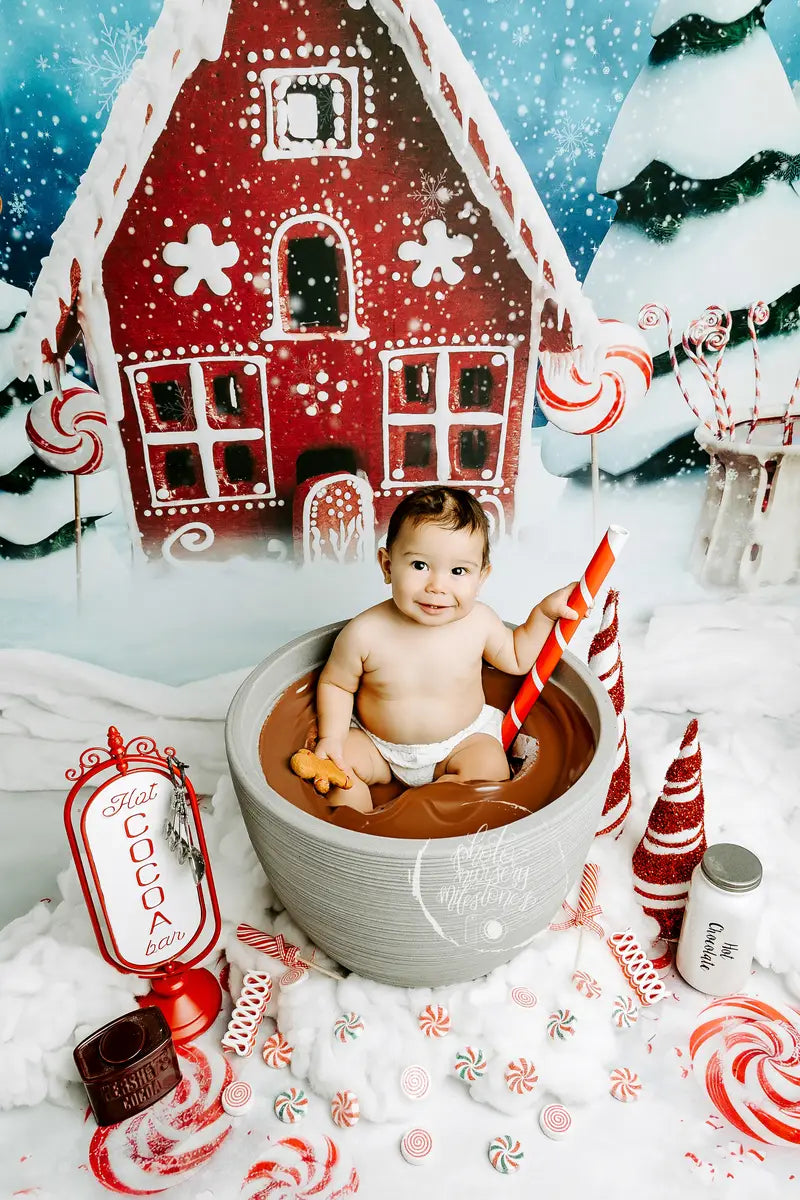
(516, 650)
(336, 690)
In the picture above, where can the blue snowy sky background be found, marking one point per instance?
(557, 71)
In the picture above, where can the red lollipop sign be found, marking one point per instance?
(141, 857)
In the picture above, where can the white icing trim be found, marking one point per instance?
(205, 437)
(366, 541)
(277, 146)
(443, 418)
(275, 332)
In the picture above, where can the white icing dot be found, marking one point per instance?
(398, 473)
(336, 408)
(498, 360)
(259, 488)
(303, 389)
(250, 369)
(311, 411)
(322, 395)
(322, 377)
(141, 377)
(486, 474)
(163, 493)
(341, 385)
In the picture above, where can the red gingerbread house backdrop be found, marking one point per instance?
(310, 272)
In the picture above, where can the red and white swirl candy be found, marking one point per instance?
(415, 1082)
(345, 1109)
(624, 1012)
(506, 1154)
(746, 1053)
(416, 1146)
(300, 1169)
(276, 1051)
(520, 1076)
(625, 1084)
(164, 1145)
(555, 1121)
(580, 405)
(561, 1025)
(348, 1027)
(237, 1098)
(586, 984)
(524, 997)
(68, 430)
(291, 1105)
(434, 1021)
(470, 1064)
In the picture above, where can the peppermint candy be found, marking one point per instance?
(348, 1027)
(555, 1121)
(505, 1154)
(345, 1109)
(625, 1084)
(164, 1145)
(561, 1025)
(300, 1169)
(69, 431)
(291, 1105)
(276, 1051)
(470, 1064)
(415, 1082)
(586, 984)
(520, 1076)
(237, 1098)
(292, 977)
(524, 997)
(625, 1012)
(434, 1021)
(416, 1146)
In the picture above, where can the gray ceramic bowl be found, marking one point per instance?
(415, 913)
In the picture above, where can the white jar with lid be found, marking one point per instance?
(718, 934)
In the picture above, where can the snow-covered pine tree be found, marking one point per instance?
(36, 501)
(703, 162)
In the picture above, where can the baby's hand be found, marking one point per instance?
(557, 604)
(333, 749)
(321, 772)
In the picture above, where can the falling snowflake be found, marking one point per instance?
(118, 49)
(17, 205)
(573, 139)
(432, 193)
(521, 35)
(43, 63)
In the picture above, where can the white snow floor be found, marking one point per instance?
(731, 660)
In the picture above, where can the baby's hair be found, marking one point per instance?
(452, 508)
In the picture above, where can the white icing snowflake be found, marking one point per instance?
(118, 51)
(573, 140)
(432, 193)
(17, 205)
(203, 260)
(437, 253)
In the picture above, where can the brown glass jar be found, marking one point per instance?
(128, 1064)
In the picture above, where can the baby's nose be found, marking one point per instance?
(436, 584)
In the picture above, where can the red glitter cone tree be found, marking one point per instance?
(605, 659)
(674, 841)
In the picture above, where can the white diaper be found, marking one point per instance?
(414, 764)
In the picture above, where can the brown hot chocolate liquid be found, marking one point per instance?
(565, 750)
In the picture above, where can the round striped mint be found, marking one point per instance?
(276, 1051)
(505, 1154)
(470, 1064)
(416, 1145)
(237, 1098)
(434, 1021)
(291, 1105)
(625, 1084)
(524, 997)
(415, 1082)
(521, 1076)
(348, 1027)
(345, 1109)
(555, 1121)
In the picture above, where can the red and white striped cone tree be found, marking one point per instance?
(674, 841)
(605, 659)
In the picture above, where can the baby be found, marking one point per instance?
(411, 666)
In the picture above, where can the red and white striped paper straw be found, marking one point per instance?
(583, 595)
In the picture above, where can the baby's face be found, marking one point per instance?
(435, 573)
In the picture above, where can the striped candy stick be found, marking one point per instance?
(276, 946)
(582, 597)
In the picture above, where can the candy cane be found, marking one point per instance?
(276, 946)
(789, 414)
(713, 330)
(757, 314)
(583, 595)
(649, 317)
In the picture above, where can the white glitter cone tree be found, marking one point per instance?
(674, 841)
(605, 659)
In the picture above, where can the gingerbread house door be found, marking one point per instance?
(335, 519)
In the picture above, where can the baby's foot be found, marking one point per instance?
(357, 796)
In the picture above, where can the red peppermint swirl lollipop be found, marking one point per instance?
(521, 1076)
(746, 1052)
(162, 1146)
(68, 431)
(300, 1169)
(434, 1021)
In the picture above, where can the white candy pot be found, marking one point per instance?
(748, 532)
(406, 912)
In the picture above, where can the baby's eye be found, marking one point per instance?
(459, 571)
(418, 564)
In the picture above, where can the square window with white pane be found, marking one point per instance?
(311, 111)
(204, 428)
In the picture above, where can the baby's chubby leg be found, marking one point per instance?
(366, 765)
(479, 756)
